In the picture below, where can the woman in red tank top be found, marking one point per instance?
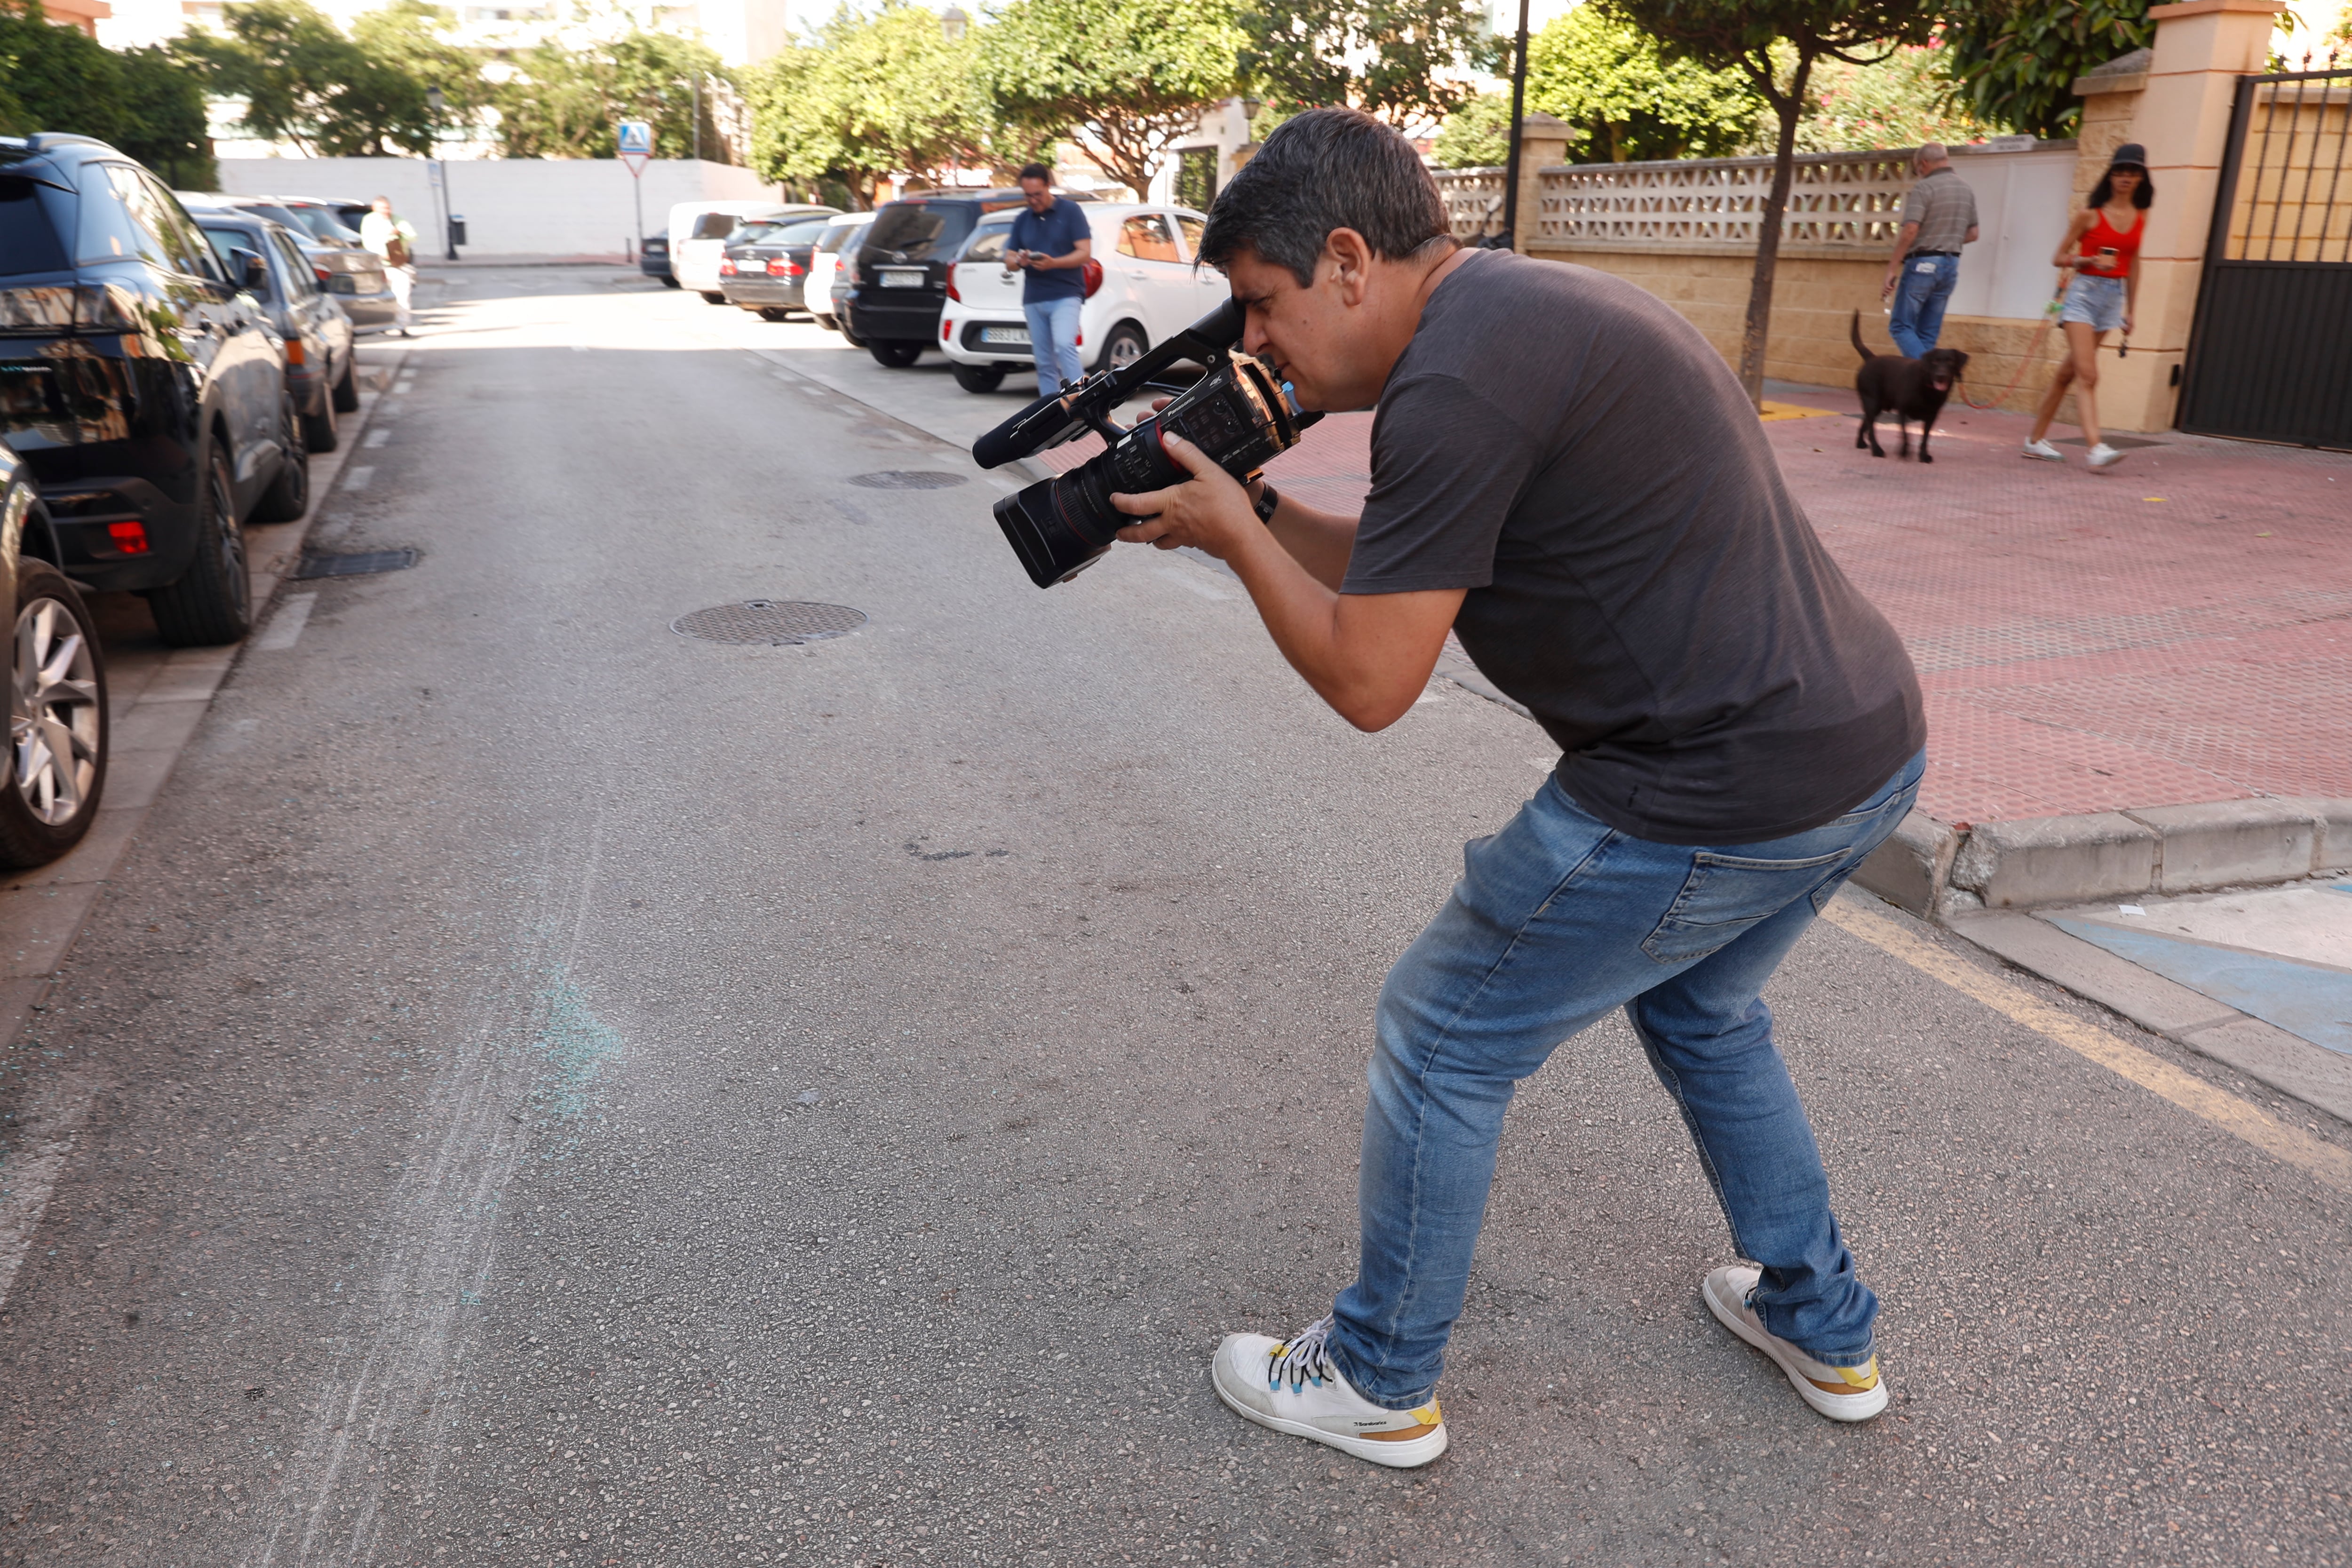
(2098, 284)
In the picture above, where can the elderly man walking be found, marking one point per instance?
(1939, 215)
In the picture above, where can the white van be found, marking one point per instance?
(697, 237)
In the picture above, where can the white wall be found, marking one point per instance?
(2023, 203)
(519, 206)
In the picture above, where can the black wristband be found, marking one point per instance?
(1268, 497)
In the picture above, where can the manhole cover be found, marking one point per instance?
(770, 621)
(908, 479)
(364, 563)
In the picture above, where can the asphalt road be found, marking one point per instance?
(565, 1092)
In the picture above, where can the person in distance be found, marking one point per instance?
(1567, 475)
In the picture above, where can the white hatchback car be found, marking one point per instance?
(697, 237)
(1148, 290)
(824, 265)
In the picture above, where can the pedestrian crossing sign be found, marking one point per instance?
(637, 144)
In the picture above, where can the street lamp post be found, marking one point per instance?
(438, 103)
(1509, 238)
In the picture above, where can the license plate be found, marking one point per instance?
(1014, 337)
(902, 279)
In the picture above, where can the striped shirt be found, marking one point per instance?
(1945, 208)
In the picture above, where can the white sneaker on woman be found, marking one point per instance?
(2103, 455)
(2045, 451)
(1290, 1385)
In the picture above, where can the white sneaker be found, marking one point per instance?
(2045, 451)
(1292, 1386)
(1840, 1392)
(2103, 455)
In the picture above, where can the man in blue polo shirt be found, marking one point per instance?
(1051, 242)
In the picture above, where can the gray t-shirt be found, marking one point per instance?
(1573, 453)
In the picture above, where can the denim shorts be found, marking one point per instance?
(2096, 302)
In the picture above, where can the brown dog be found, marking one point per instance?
(1908, 388)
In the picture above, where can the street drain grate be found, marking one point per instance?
(364, 563)
(908, 479)
(775, 622)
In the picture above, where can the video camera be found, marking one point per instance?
(1237, 414)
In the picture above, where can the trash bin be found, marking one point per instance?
(457, 230)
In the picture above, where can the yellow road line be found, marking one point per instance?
(2160, 1077)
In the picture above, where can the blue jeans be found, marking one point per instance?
(1557, 919)
(1921, 291)
(1054, 339)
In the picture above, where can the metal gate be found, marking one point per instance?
(2271, 355)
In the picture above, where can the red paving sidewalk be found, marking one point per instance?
(2176, 629)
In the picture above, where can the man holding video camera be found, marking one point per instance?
(1565, 474)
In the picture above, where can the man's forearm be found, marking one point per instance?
(1317, 539)
(1304, 617)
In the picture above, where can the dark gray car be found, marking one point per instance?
(344, 266)
(320, 370)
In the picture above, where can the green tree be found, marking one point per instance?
(1477, 135)
(1408, 62)
(149, 102)
(415, 39)
(875, 94)
(303, 80)
(1901, 102)
(2015, 61)
(1756, 37)
(1629, 101)
(564, 97)
(1124, 79)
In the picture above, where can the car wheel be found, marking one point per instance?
(715, 299)
(213, 601)
(319, 430)
(1124, 346)
(346, 395)
(895, 352)
(288, 495)
(774, 313)
(979, 377)
(671, 283)
(56, 720)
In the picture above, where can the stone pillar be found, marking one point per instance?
(1543, 143)
(2202, 47)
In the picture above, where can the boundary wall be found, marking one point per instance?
(513, 207)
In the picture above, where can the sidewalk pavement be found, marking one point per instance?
(2139, 689)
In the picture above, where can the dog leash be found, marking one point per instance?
(2031, 357)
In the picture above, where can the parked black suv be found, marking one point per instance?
(144, 387)
(896, 283)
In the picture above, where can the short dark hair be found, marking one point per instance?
(1033, 172)
(1325, 169)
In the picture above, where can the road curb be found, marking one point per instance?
(1946, 872)
(2285, 1062)
(43, 911)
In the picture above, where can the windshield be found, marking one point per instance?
(805, 231)
(919, 231)
(324, 223)
(714, 226)
(987, 242)
(753, 229)
(836, 235)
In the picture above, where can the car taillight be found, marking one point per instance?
(794, 270)
(43, 307)
(951, 288)
(1093, 276)
(726, 266)
(945, 328)
(323, 275)
(294, 352)
(130, 538)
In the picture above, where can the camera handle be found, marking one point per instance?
(1050, 421)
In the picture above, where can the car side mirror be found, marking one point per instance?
(252, 271)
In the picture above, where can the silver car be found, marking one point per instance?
(345, 268)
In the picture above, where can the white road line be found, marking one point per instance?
(377, 437)
(45, 1137)
(285, 627)
(357, 479)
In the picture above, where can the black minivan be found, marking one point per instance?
(142, 384)
(898, 281)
